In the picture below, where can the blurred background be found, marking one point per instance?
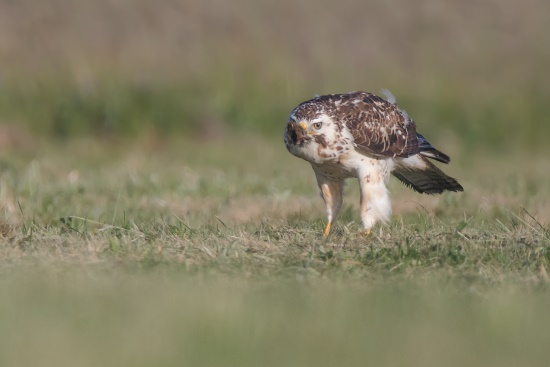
(473, 74)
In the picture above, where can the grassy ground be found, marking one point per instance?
(149, 253)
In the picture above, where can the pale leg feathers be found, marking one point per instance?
(375, 197)
(375, 204)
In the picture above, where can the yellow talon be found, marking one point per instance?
(366, 232)
(327, 229)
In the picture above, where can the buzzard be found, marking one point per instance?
(362, 135)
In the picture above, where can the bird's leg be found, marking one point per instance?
(331, 192)
(375, 202)
(328, 227)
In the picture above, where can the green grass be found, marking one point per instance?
(160, 200)
(149, 253)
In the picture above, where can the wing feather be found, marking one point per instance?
(378, 126)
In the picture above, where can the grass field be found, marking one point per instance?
(150, 214)
(149, 253)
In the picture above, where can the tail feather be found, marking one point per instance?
(418, 173)
(427, 150)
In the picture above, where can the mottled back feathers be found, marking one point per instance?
(378, 127)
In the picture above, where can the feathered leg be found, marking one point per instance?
(375, 200)
(331, 191)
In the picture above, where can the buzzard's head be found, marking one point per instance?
(312, 135)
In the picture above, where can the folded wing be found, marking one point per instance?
(380, 128)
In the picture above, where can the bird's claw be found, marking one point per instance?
(366, 233)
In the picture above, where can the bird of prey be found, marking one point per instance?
(361, 135)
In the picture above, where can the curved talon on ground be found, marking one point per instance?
(366, 233)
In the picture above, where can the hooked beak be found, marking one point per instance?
(296, 133)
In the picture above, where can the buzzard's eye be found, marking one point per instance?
(317, 125)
